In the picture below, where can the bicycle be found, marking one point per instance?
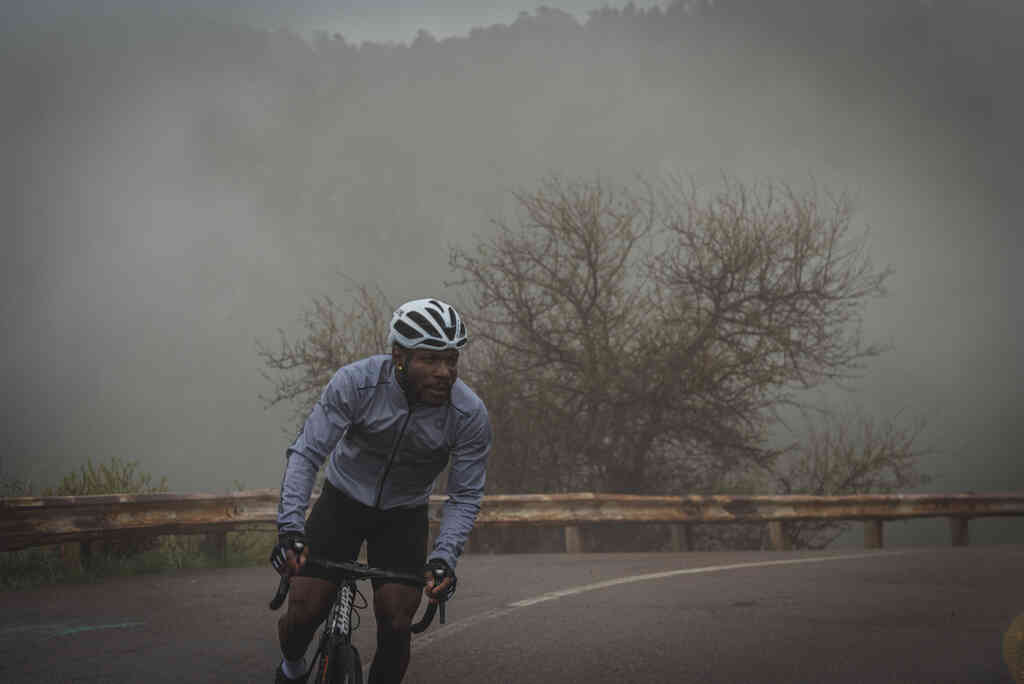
(336, 660)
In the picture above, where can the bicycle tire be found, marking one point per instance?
(339, 664)
(323, 663)
(355, 666)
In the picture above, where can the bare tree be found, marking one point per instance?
(560, 303)
(649, 340)
(848, 452)
(769, 283)
(335, 335)
(643, 342)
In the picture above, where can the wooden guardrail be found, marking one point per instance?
(39, 521)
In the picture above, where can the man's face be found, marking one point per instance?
(432, 373)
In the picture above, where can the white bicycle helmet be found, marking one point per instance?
(427, 324)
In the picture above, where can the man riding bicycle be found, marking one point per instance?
(386, 426)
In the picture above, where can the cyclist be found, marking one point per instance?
(386, 426)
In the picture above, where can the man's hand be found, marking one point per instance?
(440, 580)
(290, 553)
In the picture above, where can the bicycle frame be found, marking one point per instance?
(339, 620)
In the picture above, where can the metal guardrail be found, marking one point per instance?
(39, 521)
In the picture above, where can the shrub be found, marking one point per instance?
(120, 477)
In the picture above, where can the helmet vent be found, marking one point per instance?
(434, 343)
(449, 328)
(421, 320)
(407, 330)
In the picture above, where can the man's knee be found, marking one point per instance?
(300, 617)
(308, 604)
(394, 606)
(394, 625)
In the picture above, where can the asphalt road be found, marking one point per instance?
(903, 615)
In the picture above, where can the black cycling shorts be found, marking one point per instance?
(396, 539)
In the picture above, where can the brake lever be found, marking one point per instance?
(438, 578)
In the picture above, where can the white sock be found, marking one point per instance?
(293, 669)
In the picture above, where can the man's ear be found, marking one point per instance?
(400, 357)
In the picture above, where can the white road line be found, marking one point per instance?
(571, 591)
(64, 629)
(438, 632)
(425, 640)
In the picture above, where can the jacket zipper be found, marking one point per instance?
(391, 459)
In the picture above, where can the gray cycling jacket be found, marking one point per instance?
(387, 454)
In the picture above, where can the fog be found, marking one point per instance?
(182, 184)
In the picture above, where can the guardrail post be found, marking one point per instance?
(777, 535)
(573, 539)
(873, 537)
(214, 544)
(958, 531)
(219, 545)
(86, 551)
(680, 537)
(71, 554)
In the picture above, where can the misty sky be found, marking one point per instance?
(357, 20)
(179, 191)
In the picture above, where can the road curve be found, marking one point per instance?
(904, 615)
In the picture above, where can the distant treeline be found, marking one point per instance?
(955, 61)
(265, 109)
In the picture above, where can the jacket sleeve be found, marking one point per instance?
(465, 488)
(325, 425)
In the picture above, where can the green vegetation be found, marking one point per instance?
(120, 477)
(126, 556)
(64, 564)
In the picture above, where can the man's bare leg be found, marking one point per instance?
(309, 601)
(394, 605)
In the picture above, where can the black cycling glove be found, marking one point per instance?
(440, 570)
(285, 541)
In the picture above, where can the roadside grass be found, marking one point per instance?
(64, 564)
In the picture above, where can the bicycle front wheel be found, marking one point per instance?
(355, 668)
(339, 664)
